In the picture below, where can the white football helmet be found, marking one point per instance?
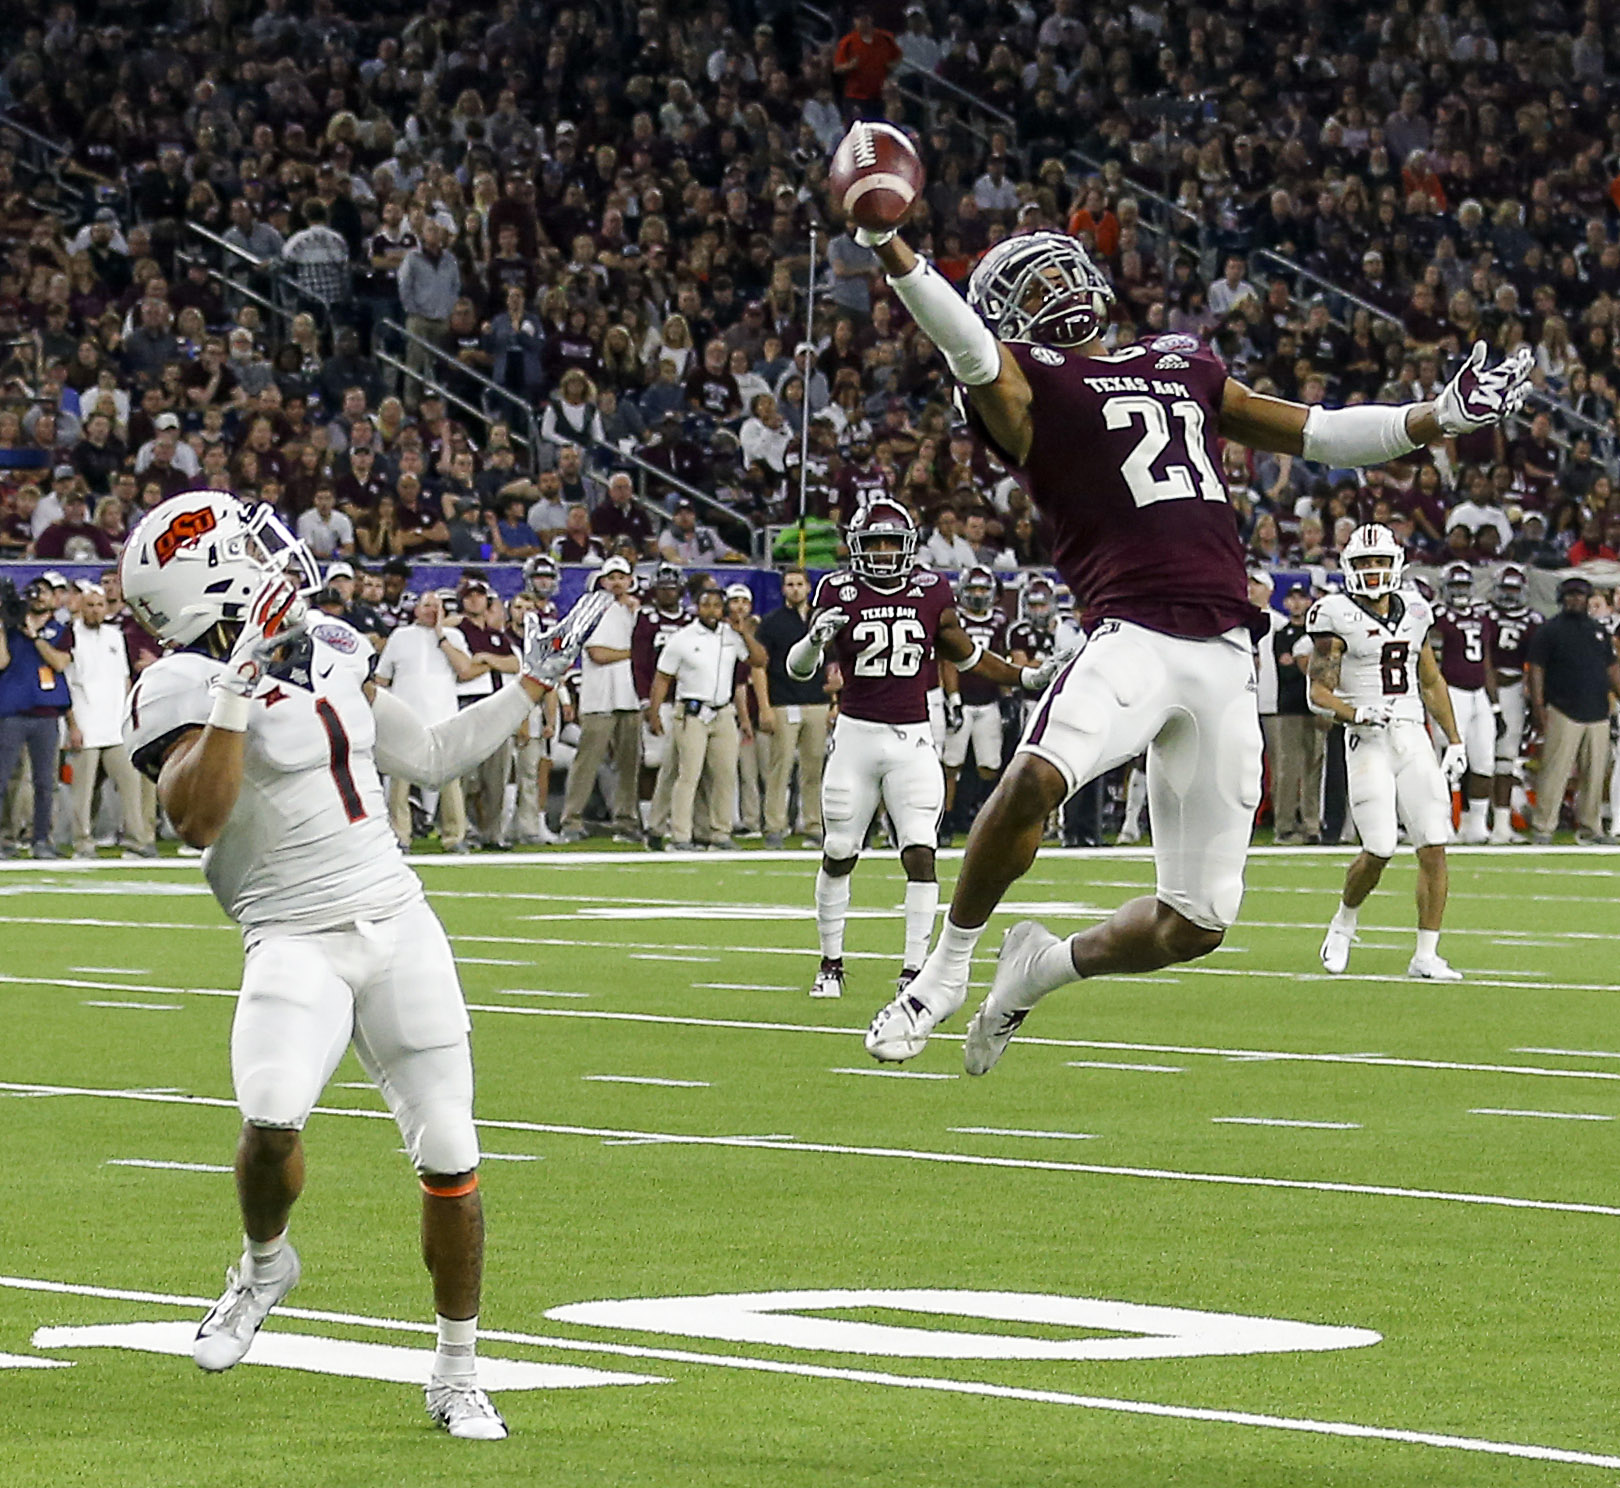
(1038, 605)
(1372, 561)
(977, 591)
(196, 560)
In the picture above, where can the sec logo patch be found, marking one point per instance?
(1047, 356)
(847, 593)
(338, 637)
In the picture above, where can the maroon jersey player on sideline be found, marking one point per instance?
(973, 712)
(882, 619)
(1466, 635)
(1514, 623)
(1120, 454)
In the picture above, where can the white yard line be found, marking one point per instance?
(743, 987)
(1572, 1053)
(1543, 1115)
(181, 1167)
(891, 1074)
(665, 956)
(87, 985)
(1343, 1429)
(646, 1080)
(1274, 1121)
(144, 1007)
(1018, 1131)
(118, 971)
(537, 992)
(1113, 1064)
(903, 1154)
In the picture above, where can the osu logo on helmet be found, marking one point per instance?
(184, 530)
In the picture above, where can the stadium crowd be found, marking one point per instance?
(603, 212)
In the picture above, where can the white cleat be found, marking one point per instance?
(995, 1022)
(900, 1030)
(228, 1331)
(464, 1410)
(1335, 950)
(829, 980)
(1433, 969)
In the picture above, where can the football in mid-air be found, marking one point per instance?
(875, 175)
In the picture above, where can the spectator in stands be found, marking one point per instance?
(576, 543)
(621, 517)
(687, 541)
(429, 286)
(74, 538)
(863, 59)
(328, 532)
(946, 548)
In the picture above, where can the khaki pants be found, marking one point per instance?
(416, 358)
(87, 764)
(619, 731)
(706, 753)
(663, 797)
(804, 741)
(452, 811)
(1569, 744)
(484, 791)
(530, 808)
(1295, 746)
(750, 769)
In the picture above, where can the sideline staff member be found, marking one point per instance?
(35, 649)
(801, 715)
(699, 662)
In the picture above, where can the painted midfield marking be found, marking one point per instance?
(1345, 1429)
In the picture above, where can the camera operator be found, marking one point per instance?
(35, 649)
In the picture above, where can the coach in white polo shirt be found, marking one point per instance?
(609, 714)
(421, 665)
(698, 663)
(98, 678)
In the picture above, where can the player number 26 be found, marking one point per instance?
(1189, 474)
(889, 648)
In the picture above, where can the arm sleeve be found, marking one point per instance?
(1368, 434)
(433, 755)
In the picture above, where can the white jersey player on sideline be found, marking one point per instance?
(1373, 670)
(265, 734)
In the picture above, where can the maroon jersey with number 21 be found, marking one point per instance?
(882, 650)
(1124, 467)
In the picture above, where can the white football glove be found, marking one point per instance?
(868, 238)
(1477, 397)
(276, 615)
(954, 716)
(826, 625)
(1454, 764)
(1039, 677)
(1373, 715)
(550, 651)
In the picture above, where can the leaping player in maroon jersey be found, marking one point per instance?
(1120, 451)
(1467, 638)
(881, 619)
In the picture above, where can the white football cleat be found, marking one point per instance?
(464, 1410)
(996, 1022)
(1433, 969)
(900, 1030)
(829, 980)
(228, 1331)
(1335, 950)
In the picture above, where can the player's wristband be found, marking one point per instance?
(230, 712)
(972, 659)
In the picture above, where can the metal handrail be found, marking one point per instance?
(208, 235)
(650, 471)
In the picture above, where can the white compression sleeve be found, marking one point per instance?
(971, 350)
(803, 657)
(431, 756)
(1368, 434)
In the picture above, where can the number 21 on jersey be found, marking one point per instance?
(1185, 478)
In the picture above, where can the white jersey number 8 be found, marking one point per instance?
(889, 648)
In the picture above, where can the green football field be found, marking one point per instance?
(1240, 1223)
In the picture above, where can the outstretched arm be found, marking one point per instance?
(995, 383)
(1371, 433)
(432, 755)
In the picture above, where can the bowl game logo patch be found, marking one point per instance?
(338, 637)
